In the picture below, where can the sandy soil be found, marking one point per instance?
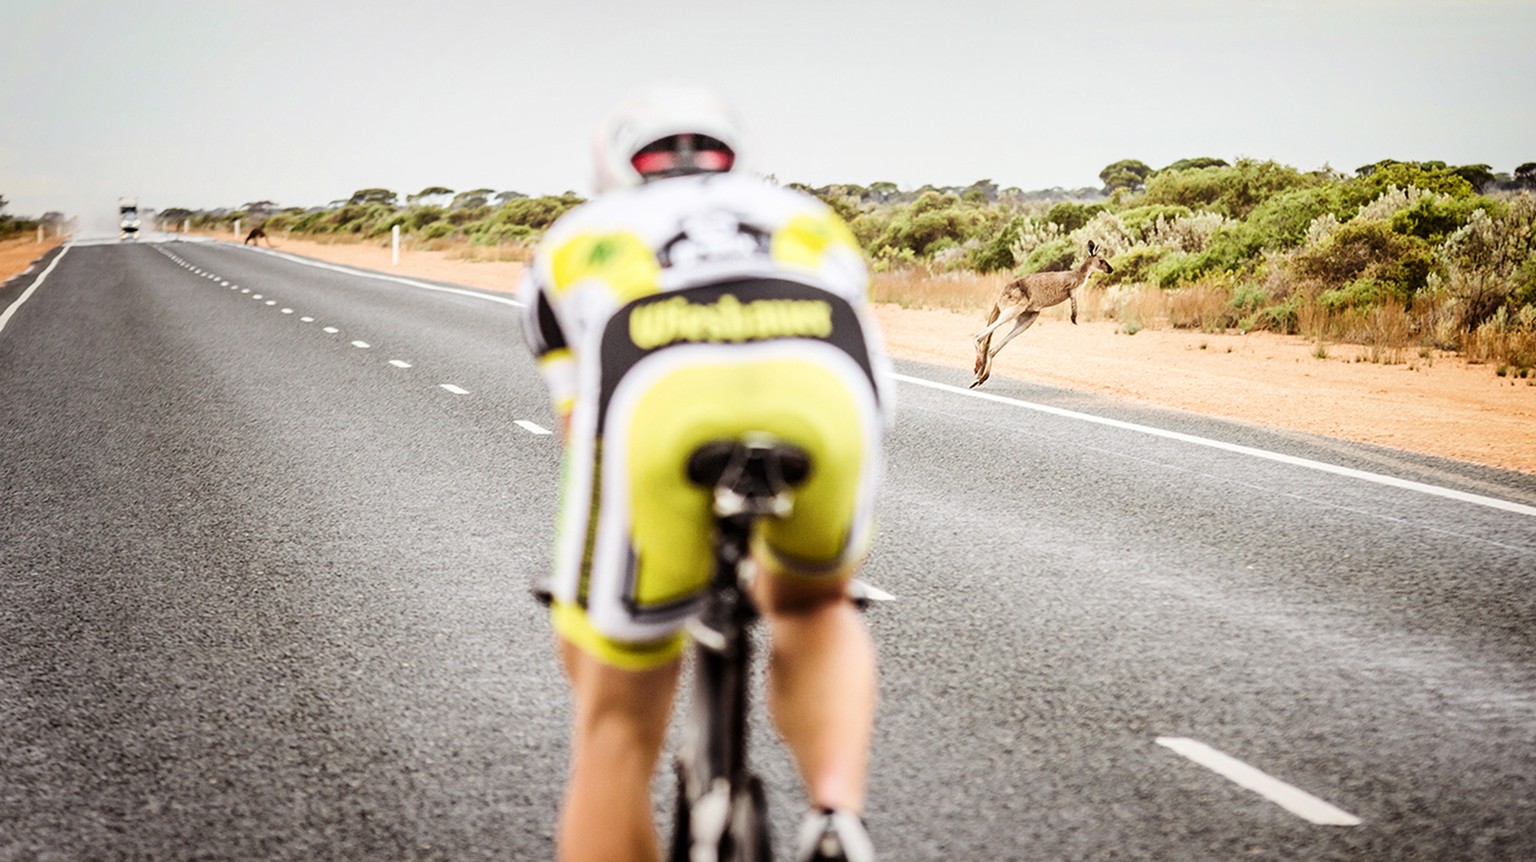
(1434, 406)
(17, 253)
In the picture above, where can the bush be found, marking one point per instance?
(1376, 179)
(1071, 216)
(1490, 263)
(1136, 264)
(1434, 217)
(1234, 191)
(1282, 221)
(933, 223)
(1054, 256)
(997, 253)
(1368, 251)
(1140, 221)
(435, 230)
(503, 234)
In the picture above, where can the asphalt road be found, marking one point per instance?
(267, 528)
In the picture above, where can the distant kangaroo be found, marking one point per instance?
(1024, 298)
(256, 235)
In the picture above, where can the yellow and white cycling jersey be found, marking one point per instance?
(679, 312)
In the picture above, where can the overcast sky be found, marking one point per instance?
(212, 103)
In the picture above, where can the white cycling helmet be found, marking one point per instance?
(670, 130)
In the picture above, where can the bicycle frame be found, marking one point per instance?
(721, 806)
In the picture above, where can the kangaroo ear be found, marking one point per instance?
(1091, 248)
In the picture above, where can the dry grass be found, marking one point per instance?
(503, 253)
(1501, 346)
(17, 253)
(1200, 306)
(965, 292)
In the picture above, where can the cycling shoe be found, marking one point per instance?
(828, 835)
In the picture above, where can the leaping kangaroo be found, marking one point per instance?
(1024, 298)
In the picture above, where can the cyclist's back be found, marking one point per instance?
(693, 306)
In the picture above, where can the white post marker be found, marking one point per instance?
(39, 234)
(237, 228)
(394, 245)
(1292, 799)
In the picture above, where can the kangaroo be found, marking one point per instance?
(1024, 298)
(256, 236)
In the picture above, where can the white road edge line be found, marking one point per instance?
(1378, 478)
(531, 427)
(1292, 799)
(363, 273)
(10, 310)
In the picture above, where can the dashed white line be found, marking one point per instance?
(399, 363)
(332, 330)
(306, 320)
(361, 345)
(531, 427)
(1292, 799)
(287, 311)
(271, 302)
(454, 389)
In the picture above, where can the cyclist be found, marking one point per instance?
(689, 302)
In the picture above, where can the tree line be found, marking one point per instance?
(1449, 248)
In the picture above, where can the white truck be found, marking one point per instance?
(128, 217)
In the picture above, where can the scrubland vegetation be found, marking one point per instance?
(1406, 258)
(11, 226)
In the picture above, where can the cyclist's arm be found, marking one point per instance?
(549, 345)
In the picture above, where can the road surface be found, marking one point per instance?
(267, 528)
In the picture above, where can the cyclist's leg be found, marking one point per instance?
(822, 686)
(620, 726)
(822, 681)
(619, 616)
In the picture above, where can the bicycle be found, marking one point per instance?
(722, 809)
(721, 806)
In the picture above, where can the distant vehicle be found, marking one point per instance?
(128, 217)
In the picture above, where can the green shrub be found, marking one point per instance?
(499, 234)
(1140, 220)
(1247, 299)
(1281, 221)
(1174, 269)
(436, 230)
(1232, 248)
(1371, 251)
(1434, 217)
(933, 223)
(419, 217)
(537, 213)
(1358, 295)
(1135, 264)
(1054, 256)
(1375, 179)
(997, 253)
(1071, 216)
(1282, 317)
(1232, 191)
